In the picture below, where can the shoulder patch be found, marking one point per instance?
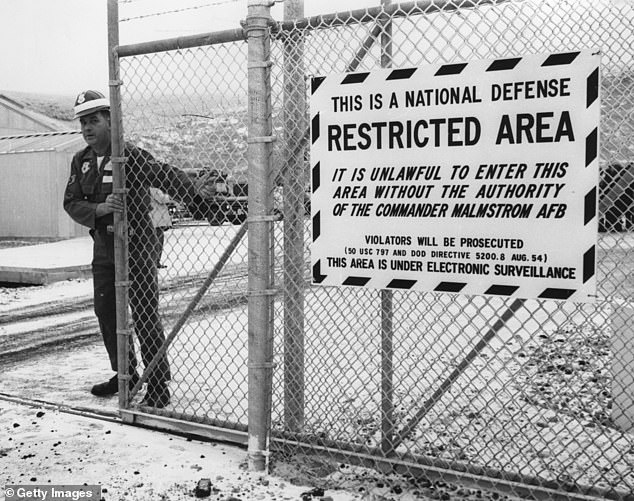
(85, 167)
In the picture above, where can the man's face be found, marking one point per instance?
(96, 131)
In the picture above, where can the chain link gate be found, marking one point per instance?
(512, 396)
(186, 106)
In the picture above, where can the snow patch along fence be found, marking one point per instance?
(522, 396)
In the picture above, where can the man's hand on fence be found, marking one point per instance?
(207, 191)
(112, 203)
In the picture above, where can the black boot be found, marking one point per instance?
(157, 395)
(111, 386)
(106, 389)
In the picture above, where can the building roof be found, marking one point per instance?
(41, 119)
(71, 140)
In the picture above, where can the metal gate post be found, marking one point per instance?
(387, 298)
(294, 178)
(260, 233)
(120, 219)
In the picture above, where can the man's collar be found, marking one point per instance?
(106, 154)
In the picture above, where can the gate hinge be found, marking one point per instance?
(264, 365)
(265, 219)
(261, 139)
(262, 64)
(263, 292)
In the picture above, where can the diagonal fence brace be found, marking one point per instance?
(235, 241)
(457, 372)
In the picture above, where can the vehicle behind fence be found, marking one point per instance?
(524, 397)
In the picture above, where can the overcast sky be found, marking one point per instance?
(60, 46)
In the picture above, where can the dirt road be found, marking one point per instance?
(33, 327)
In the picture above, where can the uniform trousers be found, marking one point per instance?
(143, 298)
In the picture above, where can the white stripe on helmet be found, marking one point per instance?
(93, 103)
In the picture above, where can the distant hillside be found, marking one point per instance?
(53, 106)
(195, 131)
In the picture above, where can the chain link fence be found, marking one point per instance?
(187, 107)
(532, 398)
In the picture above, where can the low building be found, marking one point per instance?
(34, 169)
(16, 118)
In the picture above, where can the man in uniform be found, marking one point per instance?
(89, 200)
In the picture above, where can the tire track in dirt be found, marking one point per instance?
(27, 330)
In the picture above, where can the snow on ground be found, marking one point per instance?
(45, 446)
(12, 298)
(41, 442)
(482, 418)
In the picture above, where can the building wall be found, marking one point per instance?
(31, 195)
(13, 123)
(66, 227)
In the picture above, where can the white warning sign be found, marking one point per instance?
(474, 178)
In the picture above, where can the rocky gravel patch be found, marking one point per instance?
(569, 372)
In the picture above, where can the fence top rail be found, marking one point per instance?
(403, 9)
(185, 42)
(320, 21)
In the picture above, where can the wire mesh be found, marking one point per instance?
(188, 109)
(535, 407)
(530, 397)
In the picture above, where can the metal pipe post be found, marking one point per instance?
(260, 231)
(294, 176)
(387, 297)
(120, 220)
(185, 42)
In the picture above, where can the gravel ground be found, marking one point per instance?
(43, 446)
(569, 372)
(52, 446)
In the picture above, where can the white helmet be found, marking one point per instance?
(89, 102)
